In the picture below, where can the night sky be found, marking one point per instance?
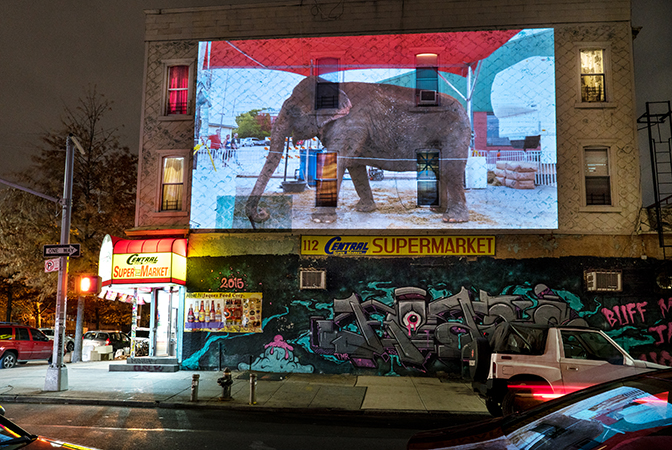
(52, 50)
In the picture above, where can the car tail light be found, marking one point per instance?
(107, 341)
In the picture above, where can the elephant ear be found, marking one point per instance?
(324, 116)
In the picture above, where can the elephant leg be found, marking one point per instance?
(452, 193)
(360, 178)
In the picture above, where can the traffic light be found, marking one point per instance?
(88, 284)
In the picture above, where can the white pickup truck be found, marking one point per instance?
(520, 365)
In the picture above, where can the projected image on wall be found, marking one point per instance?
(430, 131)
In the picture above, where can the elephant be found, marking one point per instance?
(378, 125)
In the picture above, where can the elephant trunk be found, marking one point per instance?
(273, 159)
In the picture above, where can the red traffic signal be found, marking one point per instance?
(88, 284)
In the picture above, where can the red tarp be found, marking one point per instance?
(456, 51)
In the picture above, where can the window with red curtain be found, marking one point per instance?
(178, 90)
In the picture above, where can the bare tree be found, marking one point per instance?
(103, 200)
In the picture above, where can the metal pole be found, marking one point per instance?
(79, 328)
(57, 373)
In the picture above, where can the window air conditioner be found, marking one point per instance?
(428, 97)
(313, 279)
(603, 280)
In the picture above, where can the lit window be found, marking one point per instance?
(172, 184)
(326, 181)
(428, 178)
(426, 79)
(597, 176)
(177, 98)
(593, 74)
(326, 95)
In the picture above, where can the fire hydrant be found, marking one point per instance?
(194, 387)
(225, 382)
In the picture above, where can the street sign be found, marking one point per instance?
(52, 265)
(61, 250)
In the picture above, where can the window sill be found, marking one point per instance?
(176, 117)
(601, 209)
(164, 214)
(595, 105)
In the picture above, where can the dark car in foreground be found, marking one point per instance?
(627, 414)
(13, 437)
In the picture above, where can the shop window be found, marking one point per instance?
(172, 184)
(597, 176)
(326, 179)
(593, 75)
(327, 91)
(428, 178)
(426, 79)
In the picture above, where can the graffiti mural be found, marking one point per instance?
(416, 328)
(278, 357)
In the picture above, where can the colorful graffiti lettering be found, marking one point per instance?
(416, 328)
(625, 314)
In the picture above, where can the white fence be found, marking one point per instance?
(546, 172)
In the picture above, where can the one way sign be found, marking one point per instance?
(61, 250)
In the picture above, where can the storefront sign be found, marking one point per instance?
(398, 245)
(147, 267)
(230, 312)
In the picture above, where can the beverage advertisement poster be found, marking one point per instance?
(229, 312)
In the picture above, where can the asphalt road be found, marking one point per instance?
(115, 428)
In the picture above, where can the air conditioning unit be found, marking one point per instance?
(428, 97)
(312, 279)
(604, 280)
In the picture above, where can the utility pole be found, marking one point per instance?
(57, 373)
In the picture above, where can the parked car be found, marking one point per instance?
(116, 338)
(68, 343)
(21, 343)
(13, 436)
(626, 414)
(523, 364)
(246, 142)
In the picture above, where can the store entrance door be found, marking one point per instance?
(166, 322)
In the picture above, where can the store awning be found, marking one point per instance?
(142, 261)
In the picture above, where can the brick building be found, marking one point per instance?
(550, 170)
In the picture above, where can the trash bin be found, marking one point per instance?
(312, 165)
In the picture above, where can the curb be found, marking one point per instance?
(373, 413)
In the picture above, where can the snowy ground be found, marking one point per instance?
(219, 197)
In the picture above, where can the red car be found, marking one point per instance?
(20, 343)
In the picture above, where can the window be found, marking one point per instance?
(178, 90)
(38, 335)
(5, 334)
(593, 76)
(326, 182)
(597, 176)
(589, 345)
(493, 138)
(428, 178)
(22, 334)
(426, 79)
(326, 95)
(172, 183)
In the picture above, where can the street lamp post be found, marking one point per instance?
(57, 373)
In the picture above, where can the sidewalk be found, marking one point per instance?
(92, 383)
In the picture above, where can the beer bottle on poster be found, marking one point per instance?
(212, 311)
(190, 314)
(201, 313)
(218, 314)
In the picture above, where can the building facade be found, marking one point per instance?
(432, 169)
